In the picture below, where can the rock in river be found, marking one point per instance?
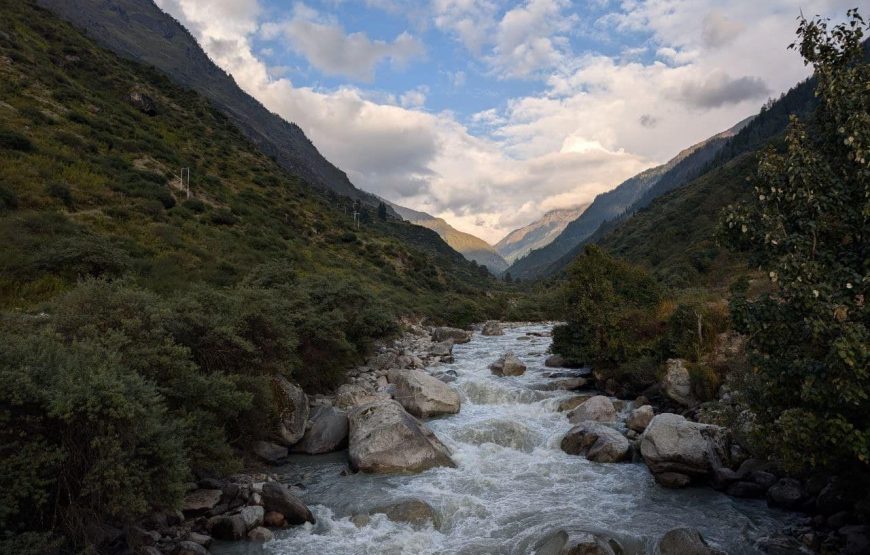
(597, 442)
(327, 431)
(423, 395)
(640, 418)
(455, 334)
(277, 498)
(685, 541)
(598, 409)
(386, 439)
(292, 408)
(508, 365)
(492, 327)
(673, 445)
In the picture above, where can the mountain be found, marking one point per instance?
(625, 198)
(537, 234)
(139, 30)
(471, 247)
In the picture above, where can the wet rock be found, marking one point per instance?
(508, 365)
(597, 442)
(277, 498)
(442, 349)
(412, 511)
(673, 444)
(685, 541)
(782, 545)
(423, 395)
(202, 539)
(273, 519)
(292, 409)
(577, 543)
(574, 402)
(786, 493)
(640, 418)
(446, 376)
(189, 548)
(271, 453)
(327, 431)
(227, 527)
(455, 334)
(384, 438)
(745, 489)
(492, 327)
(555, 361)
(672, 479)
(564, 384)
(260, 534)
(677, 384)
(839, 495)
(200, 501)
(598, 409)
(857, 539)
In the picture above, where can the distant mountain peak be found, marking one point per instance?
(537, 234)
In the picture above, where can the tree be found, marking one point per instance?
(382, 212)
(807, 227)
(508, 278)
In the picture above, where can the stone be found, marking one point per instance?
(782, 545)
(555, 361)
(598, 409)
(745, 489)
(200, 501)
(597, 442)
(564, 384)
(640, 418)
(252, 515)
(189, 548)
(491, 328)
(139, 537)
(423, 395)
(857, 540)
(685, 541)
(352, 395)
(787, 493)
(278, 498)
(142, 102)
(508, 365)
(227, 527)
(673, 444)
(412, 511)
(839, 495)
(576, 543)
(292, 409)
(574, 402)
(672, 479)
(455, 334)
(202, 539)
(442, 349)
(271, 453)
(260, 534)
(273, 519)
(677, 384)
(326, 431)
(384, 438)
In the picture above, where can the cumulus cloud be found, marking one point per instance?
(327, 46)
(594, 120)
(718, 89)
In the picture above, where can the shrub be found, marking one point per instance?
(61, 192)
(194, 205)
(8, 199)
(81, 256)
(223, 216)
(10, 140)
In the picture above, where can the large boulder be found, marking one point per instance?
(508, 365)
(227, 527)
(200, 501)
(787, 493)
(352, 395)
(423, 395)
(598, 409)
(252, 515)
(597, 442)
(278, 498)
(415, 512)
(672, 445)
(685, 541)
(292, 409)
(384, 438)
(677, 383)
(575, 543)
(492, 327)
(271, 453)
(326, 431)
(453, 334)
(640, 418)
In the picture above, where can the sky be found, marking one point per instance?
(489, 113)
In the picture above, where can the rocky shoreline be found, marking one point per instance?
(378, 416)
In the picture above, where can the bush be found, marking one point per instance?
(61, 192)
(223, 216)
(10, 140)
(8, 199)
(194, 205)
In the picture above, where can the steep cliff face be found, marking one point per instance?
(537, 234)
(139, 30)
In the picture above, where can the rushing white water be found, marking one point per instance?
(512, 485)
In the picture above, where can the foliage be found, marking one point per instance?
(807, 226)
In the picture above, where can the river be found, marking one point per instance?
(512, 485)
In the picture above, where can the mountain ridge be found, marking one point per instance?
(538, 233)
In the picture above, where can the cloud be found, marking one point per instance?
(327, 47)
(415, 98)
(648, 121)
(718, 30)
(719, 89)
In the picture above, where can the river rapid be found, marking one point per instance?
(513, 485)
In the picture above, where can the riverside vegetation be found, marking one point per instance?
(147, 337)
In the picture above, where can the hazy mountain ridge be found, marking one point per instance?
(624, 199)
(470, 246)
(537, 234)
(139, 30)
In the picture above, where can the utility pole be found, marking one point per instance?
(356, 213)
(185, 183)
